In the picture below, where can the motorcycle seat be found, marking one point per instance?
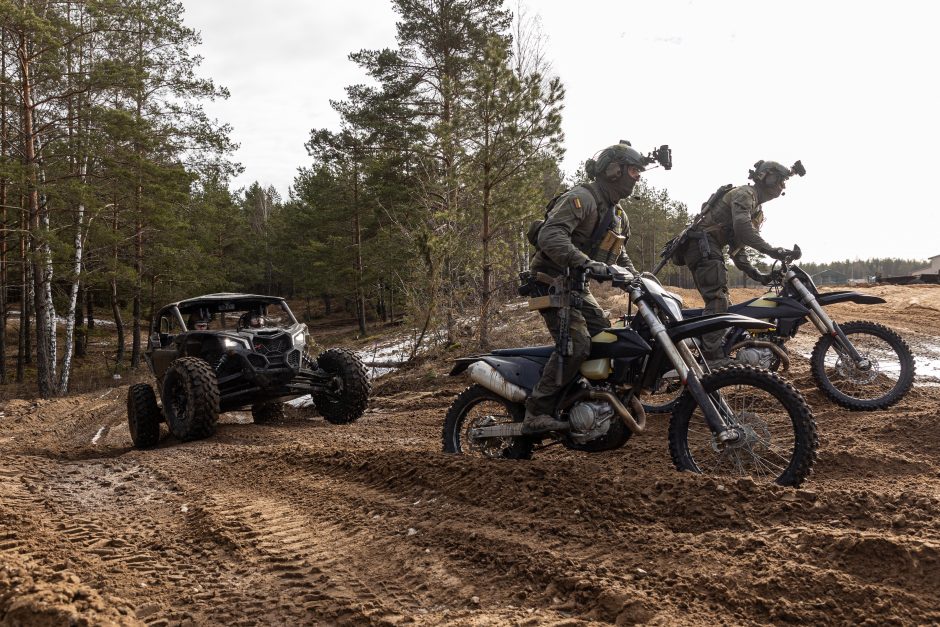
(697, 313)
(526, 351)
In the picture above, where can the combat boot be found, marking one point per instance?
(722, 362)
(540, 423)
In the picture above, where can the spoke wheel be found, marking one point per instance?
(477, 407)
(882, 382)
(665, 394)
(777, 440)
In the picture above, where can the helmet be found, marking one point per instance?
(611, 161)
(769, 173)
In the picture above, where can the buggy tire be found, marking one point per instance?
(190, 398)
(451, 438)
(143, 415)
(352, 382)
(858, 328)
(802, 433)
(263, 413)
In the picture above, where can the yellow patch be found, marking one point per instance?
(577, 202)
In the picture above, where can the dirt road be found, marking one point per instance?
(303, 522)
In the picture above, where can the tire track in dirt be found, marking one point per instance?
(493, 551)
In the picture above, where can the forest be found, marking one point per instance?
(116, 193)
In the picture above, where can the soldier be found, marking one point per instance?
(734, 221)
(569, 238)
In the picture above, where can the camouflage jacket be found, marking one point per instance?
(565, 238)
(735, 221)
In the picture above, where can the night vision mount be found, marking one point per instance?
(796, 169)
(663, 156)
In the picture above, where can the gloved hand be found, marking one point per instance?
(756, 275)
(596, 268)
(781, 253)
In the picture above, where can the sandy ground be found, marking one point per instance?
(303, 522)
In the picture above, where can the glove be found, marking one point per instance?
(596, 268)
(756, 275)
(780, 253)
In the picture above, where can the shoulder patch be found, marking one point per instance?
(576, 201)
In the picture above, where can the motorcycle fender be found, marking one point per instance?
(521, 371)
(829, 298)
(695, 327)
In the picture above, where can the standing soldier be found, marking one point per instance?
(733, 219)
(586, 229)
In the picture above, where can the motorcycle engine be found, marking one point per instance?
(589, 421)
(760, 357)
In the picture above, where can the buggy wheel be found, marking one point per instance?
(143, 415)
(190, 398)
(267, 412)
(347, 402)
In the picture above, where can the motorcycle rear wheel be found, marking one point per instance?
(884, 384)
(779, 438)
(478, 407)
(665, 396)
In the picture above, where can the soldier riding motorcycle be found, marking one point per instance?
(737, 421)
(860, 365)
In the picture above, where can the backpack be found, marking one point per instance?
(602, 225)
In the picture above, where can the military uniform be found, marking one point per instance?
(735, 222)
(565, 241)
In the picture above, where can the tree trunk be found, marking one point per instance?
(138, 286)
(38, 221)
(486, 286)
(89, 308)
(4, 153)
(357, 245)
(118, 324)
(73, 292)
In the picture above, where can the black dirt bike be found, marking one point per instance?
(736, 421)
(860, 365)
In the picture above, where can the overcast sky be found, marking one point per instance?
(850, 88)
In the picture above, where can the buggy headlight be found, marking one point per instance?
(231, 342)
(299, 339)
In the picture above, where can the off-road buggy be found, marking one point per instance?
(223, 352)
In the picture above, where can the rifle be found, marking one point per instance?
(672, 247)
(572, 288)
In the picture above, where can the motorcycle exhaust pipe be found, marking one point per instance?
(779, 352)
(486, 375)
(637, 425)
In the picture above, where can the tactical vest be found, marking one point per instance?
(607, 239)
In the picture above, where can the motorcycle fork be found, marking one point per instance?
(689, 371)
(825, 324)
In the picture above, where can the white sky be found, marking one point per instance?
(850, 88)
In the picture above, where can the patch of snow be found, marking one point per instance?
(98, 435)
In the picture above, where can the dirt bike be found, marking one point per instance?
(859, 365)
(734, 421)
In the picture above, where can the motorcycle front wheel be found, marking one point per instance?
(477, 407)
(888, 377)
(778, 433)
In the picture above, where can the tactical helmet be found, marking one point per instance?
(611, 161)
(769, 173)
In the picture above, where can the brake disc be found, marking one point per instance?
(850, 372)
(488, 447)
